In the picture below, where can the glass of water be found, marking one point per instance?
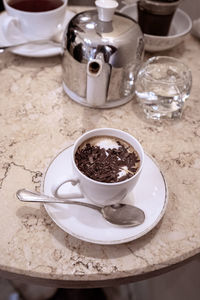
(162, 85)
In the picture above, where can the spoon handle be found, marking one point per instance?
(36, 42)
(28, 196)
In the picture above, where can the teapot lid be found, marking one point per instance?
(103, 27)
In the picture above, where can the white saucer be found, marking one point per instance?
(150, 194)
(29, 50)
(180, 27)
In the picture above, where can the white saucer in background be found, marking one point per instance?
(30, 50)
(150, 194)
(181, 25)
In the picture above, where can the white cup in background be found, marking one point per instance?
(101, 193)
(33, 25)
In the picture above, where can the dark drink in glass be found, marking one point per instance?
(154, 17)
(1, 5)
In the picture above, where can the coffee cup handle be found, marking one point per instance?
(55, 190)
(8, 24)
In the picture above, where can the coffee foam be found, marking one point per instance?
(107, 142)
(122, 172)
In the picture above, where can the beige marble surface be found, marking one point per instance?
(37, 120)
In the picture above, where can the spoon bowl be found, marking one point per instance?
(118, 214)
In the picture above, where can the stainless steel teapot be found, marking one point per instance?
(102, 52)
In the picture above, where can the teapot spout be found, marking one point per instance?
(98, 76)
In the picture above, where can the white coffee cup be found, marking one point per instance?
(33, 25)
(101, 193)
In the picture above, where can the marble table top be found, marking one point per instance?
(37, 120)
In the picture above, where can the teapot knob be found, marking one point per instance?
(106, 9)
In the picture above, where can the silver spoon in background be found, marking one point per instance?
(52, 42)
(119, 214)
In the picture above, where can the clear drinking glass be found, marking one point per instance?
(163, 84)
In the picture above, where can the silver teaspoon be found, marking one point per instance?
(51, 42)
(119, 214)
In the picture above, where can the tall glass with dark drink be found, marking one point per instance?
(1, 5)
(155, 17)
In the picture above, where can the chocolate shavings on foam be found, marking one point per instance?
(105, 165)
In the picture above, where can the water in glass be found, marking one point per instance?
(162, 86)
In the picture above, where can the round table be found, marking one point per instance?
(38, 120)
